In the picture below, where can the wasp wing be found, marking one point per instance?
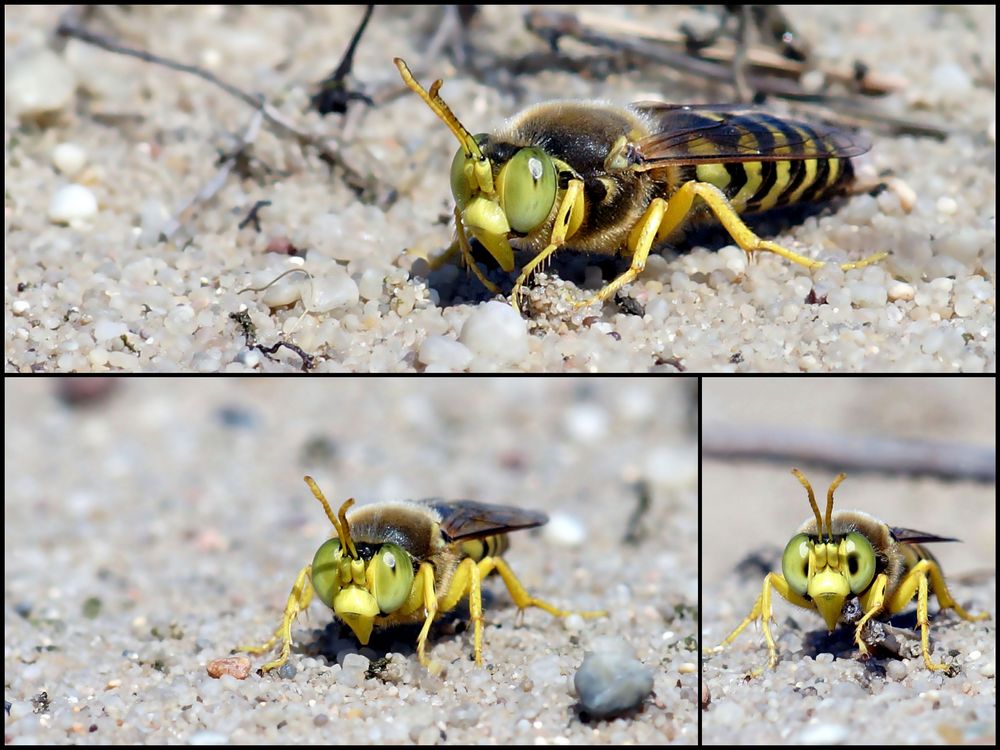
(468, 519)
(692, 134)
(917, 537)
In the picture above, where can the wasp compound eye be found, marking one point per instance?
(326, 571)
(795, 563)
(528, 189)
(391, 577)
(860, 561)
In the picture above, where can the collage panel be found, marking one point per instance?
(546, 594)
(813, 600)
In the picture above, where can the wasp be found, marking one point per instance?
(851, 565)
(597, 178)
(394, 563)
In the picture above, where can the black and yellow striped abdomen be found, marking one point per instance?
(758, 160)
(488, 546)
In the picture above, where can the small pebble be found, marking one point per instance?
(901, 291)
(38, 84)
(286, 291)
(947, 205)
(565, 530)
(823, 734)
(896, 670)
(234, 666)
(69, 158)
(72, 203)
(105, 330)
(496, 331)
(205, 737)
(609, 683)
(444, 351)
(331, 292)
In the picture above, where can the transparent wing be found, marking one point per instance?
(468, 519)
(687, 134)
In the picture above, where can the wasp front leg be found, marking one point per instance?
(569, 214)
(915, 582)
(762, 610)
(298, 600)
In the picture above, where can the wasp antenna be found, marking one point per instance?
(435, 102)
(829, 501)
(812, 500)
(343, 530)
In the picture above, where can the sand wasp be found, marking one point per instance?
(403, 562)
(850, 568)
(596, 178)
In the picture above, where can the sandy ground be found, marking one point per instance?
(148, 533)
(104, 293)
(752, 509)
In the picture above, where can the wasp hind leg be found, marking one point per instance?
(662, 218)
(298, 601)
(915, 582)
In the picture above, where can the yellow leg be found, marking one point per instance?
(640, 242)
(424, 583)
(298, 601)
(560, 230)
(762, 610)
(466, 250)
(521, 597)
(681, 202)
(873, 602)
(915, 582)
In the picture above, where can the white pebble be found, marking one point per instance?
(586, 423)
(565, 530)
(441, 350)
(896, 670)
(69, 158)
(20, 307)
(823, 734)
(573, 623)
(38, 84)
(868, 295)
(497, 331)
(947, 205)
(901, 291)
(285, 291)
(105, 330)
(950, 79)
(331, 292)
(72, 203)
(153, 219)
(370, 284)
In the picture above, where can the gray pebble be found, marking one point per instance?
(610, 683)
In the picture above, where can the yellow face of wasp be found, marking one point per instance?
(357, 590)
(520, 199)
(829, 571)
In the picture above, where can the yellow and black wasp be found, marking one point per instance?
(850, 567)
(393, 563)
(597, 178)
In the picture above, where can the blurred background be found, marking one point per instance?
(152, 524)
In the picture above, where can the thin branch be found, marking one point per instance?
(840, 452)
